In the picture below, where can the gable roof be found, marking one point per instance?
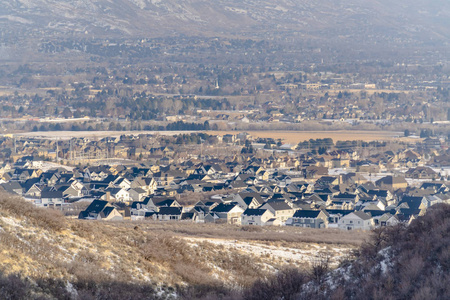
(170, 211)
(254, 212)
(96, 206)
(224, 208)
(362, 215)
(311, 214)
(279, 205)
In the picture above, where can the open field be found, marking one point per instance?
(291, 137)
(367, 91)
(285, 236)
(294, 137)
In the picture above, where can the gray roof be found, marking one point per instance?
(362, 215)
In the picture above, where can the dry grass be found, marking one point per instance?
(274, 235)
(46, 247)
(294, 137)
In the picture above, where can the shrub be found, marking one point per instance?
(46, 218)
(286, 284)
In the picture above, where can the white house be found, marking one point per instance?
(356, 220)
(258, 217)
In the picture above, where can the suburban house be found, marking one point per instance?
(259, 217)
(421, 173)
(50, 197)
(309, 218)
(169, 213)
(100, 210)
(391, 183)
(280, 209)
(231, 213)
(137, 194)
(356, 220)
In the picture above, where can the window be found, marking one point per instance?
(351, 222)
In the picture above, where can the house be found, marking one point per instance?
(142, 214)
(313, 172)
(258, 217)
(309, 218)
(386, 219)
(326, 181)
(165, 202)
(34, 191)
(392, 183)
(412, 202)
(119, 194)
(100, 210)
(50, 197)
(12, 187)
(137, 194)
(202, 216)
(344, 200)
(122, 183)
(421, 173)
(169, 213)
(356, 220)
(435, 187)
(24, 174)
(230, 213)
(353, 178)
(68, 190)
(49, 178)
(248, 200)
(280, 209)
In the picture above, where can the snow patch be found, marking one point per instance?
(283, 253)
(16, 19)
(11, 221)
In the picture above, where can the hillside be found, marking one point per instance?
(46, 256)
(422, 21)
(397, 263)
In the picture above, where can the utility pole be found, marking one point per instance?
(201, 149)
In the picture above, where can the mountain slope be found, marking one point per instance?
(420, 20)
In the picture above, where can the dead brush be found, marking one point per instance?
(46, 218)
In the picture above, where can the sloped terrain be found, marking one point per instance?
(397, 263)
(369, 20)
(46, 256)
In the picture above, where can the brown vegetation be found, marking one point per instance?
(294, 137)
(45, 254)
(277, 235)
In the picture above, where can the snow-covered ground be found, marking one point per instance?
(308, 253)
(46, 165)
(66, 135)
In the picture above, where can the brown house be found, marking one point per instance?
(391, 183)
(421, 173)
